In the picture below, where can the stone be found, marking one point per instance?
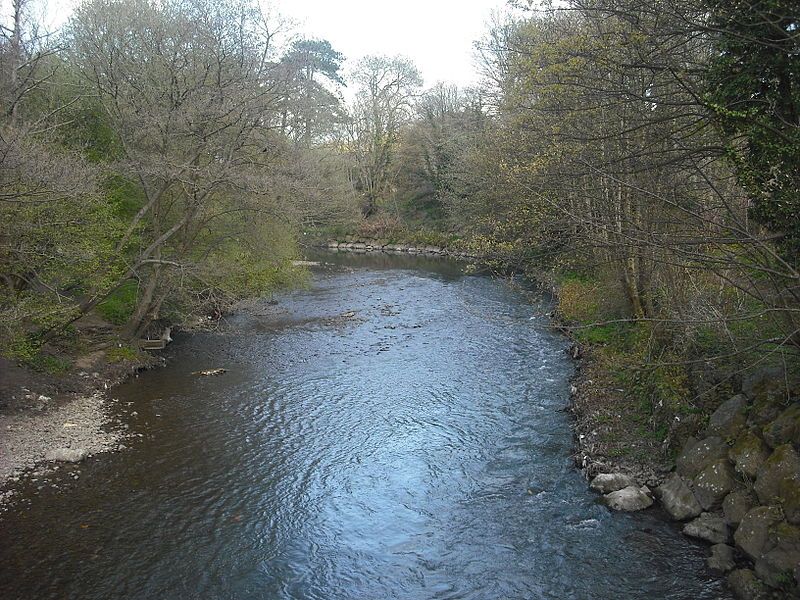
(697, 455)
(778, 481)
(628, 499)
(785, 429)
(611, 482)
(745, 585)
(736, 505)
(715, 482)
(748, 454)
(678, 499)
(768, 389)
(768, 383)
(70, 455)
(709, 527)
(729, 418)
(753, 533)
(721, 558)
(777, 565)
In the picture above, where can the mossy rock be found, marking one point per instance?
(748, 453)
(713, 483)
(785, 429)
(753, 534)
(778, 481)
(697, 455)
(736, 505)
(746, 586)
(777, 565)
(729, 419)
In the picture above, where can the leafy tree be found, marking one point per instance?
(754, 81)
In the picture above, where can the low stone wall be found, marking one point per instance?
(737, 488)
(364, 246)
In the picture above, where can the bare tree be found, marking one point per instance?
(386, 89)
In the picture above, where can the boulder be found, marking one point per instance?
(729, 418)
(70, 455)
(697, 455)
(779, 481)
(785, 429)
(611, 482)
(736, 505)
(678, 499)
(713, 483)
(748, 454)
(777, 565)
(753, 533)
(768, 383)
(709, 527)
(721, 558)
(629, 499)
(745, 585)
(767, 388)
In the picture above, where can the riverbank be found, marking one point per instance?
(57, 411)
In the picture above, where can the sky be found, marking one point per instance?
(437, 35)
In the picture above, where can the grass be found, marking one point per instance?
(120, 354)
(120, 304)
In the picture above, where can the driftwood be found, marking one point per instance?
(209, 372)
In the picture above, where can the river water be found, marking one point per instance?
(396, 431)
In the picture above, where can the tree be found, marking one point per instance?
(311, 104)
(754, 82)
(383, 104)
(188, 87)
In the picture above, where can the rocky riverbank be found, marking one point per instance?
(362, 245)
(49, 421)
(736, 486)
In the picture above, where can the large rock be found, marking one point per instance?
(748, 454)
(70, 455)
(629, 499)
(778, 481)
(768, 382)
(713, 483)
(785, 429)
(677, 499)
(729, 418)
(611, 482)
(753, 533)
(736, 505)
(745, 585)
(767, 388)
(721, 558)
(697, 455)
(709, 527)
(777, 565)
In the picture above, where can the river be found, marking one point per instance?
(395, 431)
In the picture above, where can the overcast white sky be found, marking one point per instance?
(437, 35)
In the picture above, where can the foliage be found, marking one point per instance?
(754, 91)
(119, 305)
